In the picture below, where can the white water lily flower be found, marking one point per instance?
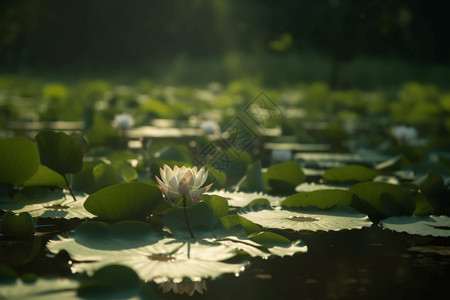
(183, 181)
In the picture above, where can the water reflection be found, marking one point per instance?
(185, 286)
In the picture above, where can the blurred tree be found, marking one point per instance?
(91, 34)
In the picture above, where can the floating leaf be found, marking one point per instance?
(312, 186)
(284, 176)
(380, 200)
(311, 219)
(19, 160)
(393, 164)
(59, 152)
(132, 200)
(349, 173)
(152, 255)
(241, 199)
(53, 204)
(321, 199)
(420, 225)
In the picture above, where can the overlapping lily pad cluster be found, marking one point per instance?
(130, 222)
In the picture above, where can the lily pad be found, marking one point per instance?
(284, 176)
(45, 176)
(438, 226)
(241, 199)
(312, 186)
(311, 219)
(380, 200)
(347, 173)
(19, 226)
(59, 152)
(253, 180)
(55, 205)
(321, 199)
(19, 160)
(151, 254)
(132, 200)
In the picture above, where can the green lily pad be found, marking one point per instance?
(53, 204)
(312, 186)
(284, 176)
(253, 179)
(430, 184)
(132, 200)
(19, 160)
(45, 177)
(321, 199)
(380, 200)
(152, 255)
(310, 219)
(19, 226)
(59, 152)
(438, 226)
(349, 173)
(241, 199)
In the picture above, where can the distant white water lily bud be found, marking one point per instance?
(404, 133)
(182, 182)
(123, 121)
(210, 127)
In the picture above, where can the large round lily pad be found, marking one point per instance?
(311, 219)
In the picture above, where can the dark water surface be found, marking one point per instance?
(370, 263)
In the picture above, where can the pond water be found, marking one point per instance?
(370, 263)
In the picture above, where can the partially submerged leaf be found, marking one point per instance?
(19, 160)
(421, 225)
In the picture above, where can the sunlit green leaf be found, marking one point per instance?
(132, 200)
(321, 199)
(380, 200)
(19, 160)
(349, 173)
(284, 176)
(45, 177)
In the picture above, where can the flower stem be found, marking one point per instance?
(68, 186)
(186, 217)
